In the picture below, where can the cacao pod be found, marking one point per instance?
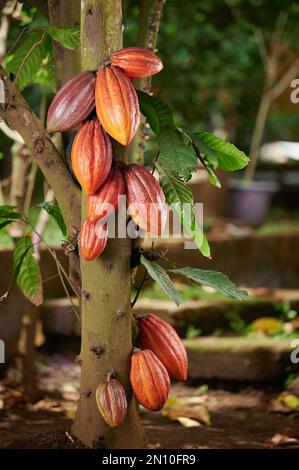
(145, 199)
(101, 204)
(158, 336)
(117, 104)
(72, 103)
(112, 402)
(149, 379)
(91, 156)
(69, 156)
(93, 239)
(137, 62)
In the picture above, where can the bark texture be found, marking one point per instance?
(20, 117)
(106, 286)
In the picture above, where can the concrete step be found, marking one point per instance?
(208, 316)
(239, 359)
(212, 315)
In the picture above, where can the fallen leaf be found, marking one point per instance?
(187, 422)
(286, 436)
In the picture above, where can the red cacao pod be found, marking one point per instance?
(158, 336)
(117, 104)
(145, 199)
(93, 239)
(137, 62)
(101, 204)
(112, 402)
(72, 103)
(91, 156)
(149, 379)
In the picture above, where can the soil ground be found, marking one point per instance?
(225, 417)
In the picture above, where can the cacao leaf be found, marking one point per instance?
(46, 74)
(25, 62)
(54, 211)
(217, 152)
(68, 37)
(27, 273)
(176, 155)
(5, 223)
(8, 212)
(179, 197)
(157, 112)
(159, 275)
(214, 279)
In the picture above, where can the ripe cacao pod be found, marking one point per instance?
(72, 103)
(149, 379)
(145, 199)
(101, 204)
(117, 104)
(137, 62)
(158, 336)
(93, 239)
(91, 156)
(112, 402)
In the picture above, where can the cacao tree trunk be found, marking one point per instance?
(106, 287)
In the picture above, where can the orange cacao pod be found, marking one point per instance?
(72, 103)
(112, 402)
(117, 104)
(93, 239)
(101, 204)
(91, 156)
(149, 379)
(137, 62)
(163, 340)
(145, 199)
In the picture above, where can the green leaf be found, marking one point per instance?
(176, 155)
(8, 212)
(215, 279)
(46, 74)
(54, 210)
(5, 223)
(211, 175)
(161, 277)
(218, 153)
(27, 273)
(1, 155)
(157, 112)
(68, 37)
(179, 196)
(26, 61)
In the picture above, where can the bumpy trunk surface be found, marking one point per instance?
(106, 286)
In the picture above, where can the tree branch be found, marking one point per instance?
(21, 118)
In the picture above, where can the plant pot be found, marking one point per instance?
(251, 203)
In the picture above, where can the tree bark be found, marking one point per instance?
(106, 287)
(67, 64)
(21, 118)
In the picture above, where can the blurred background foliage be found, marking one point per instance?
(213, 72)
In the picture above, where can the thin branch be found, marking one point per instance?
(139, 289)
(285, 81)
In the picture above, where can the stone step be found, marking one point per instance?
(212, 315)
(58, 316)
(239, 359)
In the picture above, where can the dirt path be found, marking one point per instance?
(223, 419)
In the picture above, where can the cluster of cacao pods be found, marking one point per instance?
(111, 92)
(163, 356)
